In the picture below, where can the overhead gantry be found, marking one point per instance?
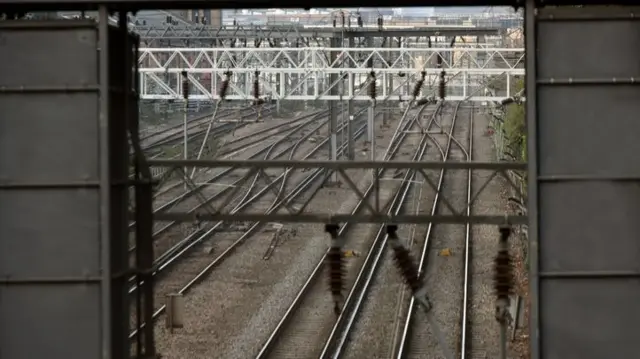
(243, 36)
(476, 73)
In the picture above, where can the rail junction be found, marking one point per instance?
(349, 156)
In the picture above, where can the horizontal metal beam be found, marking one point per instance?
(341, 165)
(339, 218)
(306, 73)
(385, 176)
(317, 58)
(360, 98)
(336, 70)
(200, 32)
(59, 5)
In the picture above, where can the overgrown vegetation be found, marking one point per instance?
(510, 135)
(512, 132)
(515, 129)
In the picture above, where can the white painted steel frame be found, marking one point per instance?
(303, 73)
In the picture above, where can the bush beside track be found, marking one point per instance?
(510, 136)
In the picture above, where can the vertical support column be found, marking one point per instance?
(144, 254)
(531, 119)
(370, 130)
(350, 141)
(281, 89)
(185, 135)
(333, 110)
(64, 267)
(389, 82)
(403, 43)
(464, 84)
(370, 110)
(583, 202)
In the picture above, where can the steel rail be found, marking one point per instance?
(191, 125)
(234, 151)
(401, 347)
(171, 255)
(235, 126)
(267, 151)
(465, 331)
(174, 253)
(226, 112)
(298, 190)
(213, 179)
(269, 345)
(336, 342)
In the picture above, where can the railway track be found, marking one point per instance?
(447, 276)
(226, 181)
(390, 323)
(308, 316)
(252, 194)
(174, 192)
(196, 126)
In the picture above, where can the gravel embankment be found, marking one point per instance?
(374, 331)
(485, 241)
(230, 313)
(444, 273)
(192, 263)
(311, 325)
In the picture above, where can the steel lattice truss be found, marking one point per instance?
(375, 210)
(320, 73)
(254, 36)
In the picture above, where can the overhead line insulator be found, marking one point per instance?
(418, 86)
(185, 84)
(335, 263)
(441, 86)
(503, 274)
(372, 86)
(224, 87)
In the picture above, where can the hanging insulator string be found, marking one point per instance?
(335, 263)
(224, 87)
(441, 86)
(418, 86)
(409, 270)
(372, 86)
(503, 285)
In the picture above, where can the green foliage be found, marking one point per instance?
(515, 128)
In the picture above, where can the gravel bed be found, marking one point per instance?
(173, 236)
(305, 336)
(444, 273)
(386, 303)
(485, 337)
(193, 125)
(202, 176)
(176, 234)
(249, 311)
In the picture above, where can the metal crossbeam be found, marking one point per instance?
(370, 214)
(304, 73)
(289, 32)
